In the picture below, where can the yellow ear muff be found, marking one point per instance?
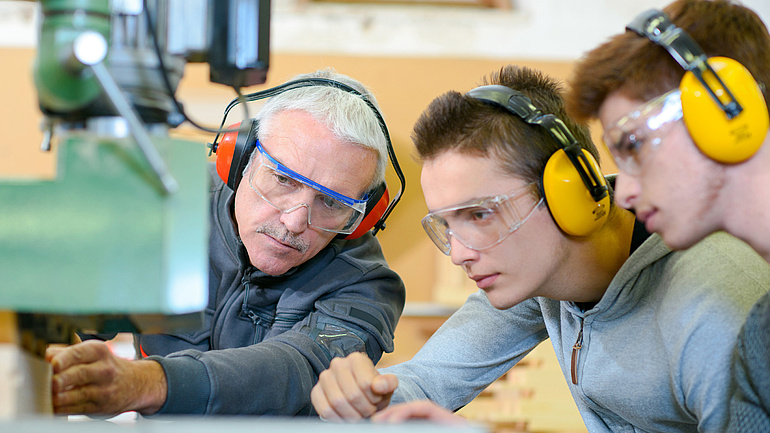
(722, 139)
(568, 199)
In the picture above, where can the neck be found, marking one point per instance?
(598, 257)
(745, 212)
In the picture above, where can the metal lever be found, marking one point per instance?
(83, 50)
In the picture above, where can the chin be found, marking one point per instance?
(678, 242)
(501, 303)
(271, 266)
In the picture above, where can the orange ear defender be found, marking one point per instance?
(574, 188)
(376, 205)
(224, 151)
(233, 152)
(235, 147)
(722, 105)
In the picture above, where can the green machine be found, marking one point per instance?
(118, 241)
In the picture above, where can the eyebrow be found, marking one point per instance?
(625, 137)
(310, 182)
(475, 201)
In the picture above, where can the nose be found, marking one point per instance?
(296, 219)
(626, 190)
(460, 254)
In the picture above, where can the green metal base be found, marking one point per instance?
(102, 238)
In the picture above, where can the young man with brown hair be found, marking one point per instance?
(691, 163)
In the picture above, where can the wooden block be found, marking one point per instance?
(25, 383)
(9, 328)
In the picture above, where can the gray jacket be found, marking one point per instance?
(750, 406)
(265, 339)
(655, 353)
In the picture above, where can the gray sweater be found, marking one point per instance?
(750, 406)
(655, 353)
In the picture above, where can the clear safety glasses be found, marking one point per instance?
(287, 191)
(626, 139)
(481, 224)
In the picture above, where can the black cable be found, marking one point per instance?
(169, 88)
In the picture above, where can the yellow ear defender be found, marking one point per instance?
(724, 139)
(574, 189)
(723, 106)
(571, 203)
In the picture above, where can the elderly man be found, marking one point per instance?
(287, 291)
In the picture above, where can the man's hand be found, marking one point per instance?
(89, 379)
(351, 389)
(422, 409)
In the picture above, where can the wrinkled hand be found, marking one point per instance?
(89, 379)
(351, 389)
(422, 409)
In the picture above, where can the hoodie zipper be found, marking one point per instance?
(575, 353)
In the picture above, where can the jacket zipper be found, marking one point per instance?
(287, 318)
(575, 353)
(261, 323)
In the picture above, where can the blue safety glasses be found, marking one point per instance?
(287, 191)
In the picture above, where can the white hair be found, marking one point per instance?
(346, 114)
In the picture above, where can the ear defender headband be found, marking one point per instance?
(723, 106)
(574, 189)
(238, 143)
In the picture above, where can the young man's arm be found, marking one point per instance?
(474, 347)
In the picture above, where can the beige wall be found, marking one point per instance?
(403, 87)
(20, 118)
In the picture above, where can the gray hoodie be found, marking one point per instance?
(655, 352)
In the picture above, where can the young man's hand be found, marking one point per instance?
(89, 379)
(351, 389)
